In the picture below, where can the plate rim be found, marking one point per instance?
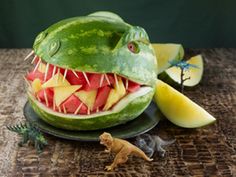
(79, 138)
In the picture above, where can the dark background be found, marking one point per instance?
(193, 23)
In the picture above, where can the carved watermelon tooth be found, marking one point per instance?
(64, 109)
(58, 74)
(59, 108)
(108, 81)
(116, 81)
(27, 82)
(88, 111)
(29, 55)
(64, 76)
(86, 78)
(46, 72)
(54, 70)
(78, 109)
(53, 105)
(76, 75)
(38, 98)
(35, 57)
(101, 80)
(37, 65)
(46, 98)
(126, 84)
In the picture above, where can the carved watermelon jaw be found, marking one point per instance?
(127, 109)
(105, 90)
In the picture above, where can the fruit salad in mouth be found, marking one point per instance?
(73, 92)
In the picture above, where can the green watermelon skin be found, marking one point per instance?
(130, 112)
(98, 44)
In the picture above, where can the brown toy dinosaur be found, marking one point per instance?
(121, 148)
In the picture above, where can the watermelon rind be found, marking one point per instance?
(128, 108)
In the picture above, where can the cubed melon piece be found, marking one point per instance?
(36, 85)
(63, 92)
(71, 105)
(77, 79)
(34, 75)
(99, 80)
(101, 97)
(56, 81)
(133, 86)
(87, 97)
(46, 96)
(115, 94)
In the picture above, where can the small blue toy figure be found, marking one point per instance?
(151, 143)
(184, 66)
(31, 134)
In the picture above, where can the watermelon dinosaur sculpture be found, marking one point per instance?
(92, 72)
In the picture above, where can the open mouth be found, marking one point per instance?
(80, 93)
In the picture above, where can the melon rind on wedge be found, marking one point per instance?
(125, 110)
(179, 109)
(172, 75)
(165, 53)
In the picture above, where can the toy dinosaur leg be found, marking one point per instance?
(120, 158)
(161, 151)
(24, 140)
(149, 151)
(37, 146)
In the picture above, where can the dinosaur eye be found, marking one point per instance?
(133, 47)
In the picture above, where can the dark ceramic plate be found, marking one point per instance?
(145, 122)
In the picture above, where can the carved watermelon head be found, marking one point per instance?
(100, 43)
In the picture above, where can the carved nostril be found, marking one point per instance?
(54, 47)
(40, 37)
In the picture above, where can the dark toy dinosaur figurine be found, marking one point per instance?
(151, 143)
(31, 134)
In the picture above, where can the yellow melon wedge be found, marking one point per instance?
(195, 73)
(56, 81)
(36, 85)
(87, 97)
(179, 109)
(165, 53)
(115, 94)
(63, 92)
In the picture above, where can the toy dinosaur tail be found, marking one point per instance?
(140, 153)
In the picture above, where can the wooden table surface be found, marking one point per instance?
(209, 151)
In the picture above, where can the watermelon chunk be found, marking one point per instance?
(36, 60)
(50, 71)
(70, 76)
(83, 109)
(133, 87)
(49, 94)
(101, 97)
(95, 79)
(72, 103)
(34, 75)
